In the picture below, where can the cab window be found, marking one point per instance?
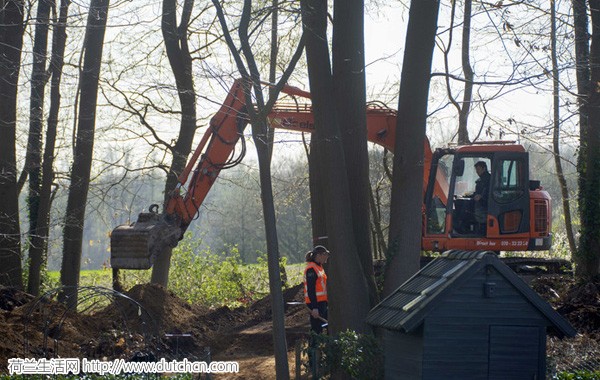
(436, 214)
(466, 181)
(509, 183)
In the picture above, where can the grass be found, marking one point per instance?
(97, 277)
(257, 285)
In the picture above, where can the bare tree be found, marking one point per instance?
(404, 242)
(350, 97)
(176, 43)
(39, 78)
(464, 107)
(41, 175)
(582, 71)
(263, 139)
(346, 273)
(588, 257)
(556, 131)
(82, 160)
(11, 42)
(463, 115)
(39, 239)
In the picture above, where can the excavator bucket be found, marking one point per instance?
(135, 246)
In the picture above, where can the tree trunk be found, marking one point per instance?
(176, 44)
(82, 160)
(277, 273)
(582, 70)
(463, 115)
(589, 245)
(317, 184)
(350, 98)
(556, 133)
(275, 284)
(262, 136)
(33, 159)
(347, 288)
(404, 243)
(39, 240)
(11, 42)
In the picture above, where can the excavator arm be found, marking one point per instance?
(135, 246)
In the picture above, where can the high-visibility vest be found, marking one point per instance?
(321, 285)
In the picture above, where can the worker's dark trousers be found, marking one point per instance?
(316, 324)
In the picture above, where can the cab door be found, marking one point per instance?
(508, 204)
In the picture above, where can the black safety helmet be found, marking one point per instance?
(320, 249)
(310, 256)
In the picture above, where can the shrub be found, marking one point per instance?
(358, 355)
(210, 278)
(578, 375)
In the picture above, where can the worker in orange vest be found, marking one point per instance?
(315, 287)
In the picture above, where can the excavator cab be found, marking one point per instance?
(513, 214)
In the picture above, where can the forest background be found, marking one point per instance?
(138, 109)
(130, 85)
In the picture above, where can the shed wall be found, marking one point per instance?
(404, 354)
(457, 332)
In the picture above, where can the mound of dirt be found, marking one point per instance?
(42, 328)
(11, 298)
(152, 307)
(581, 306)
(578, 303)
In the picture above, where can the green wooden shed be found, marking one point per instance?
(466, 315)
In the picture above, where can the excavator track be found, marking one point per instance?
(537, 265)
(528, 265)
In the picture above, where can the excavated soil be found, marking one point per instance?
(128, 328)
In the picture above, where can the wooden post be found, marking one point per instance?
(298, 352)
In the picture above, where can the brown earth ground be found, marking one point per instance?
(128, 326)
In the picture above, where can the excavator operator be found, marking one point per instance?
(480, 197)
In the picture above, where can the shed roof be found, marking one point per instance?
(406, 308)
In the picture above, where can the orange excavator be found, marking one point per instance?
(518, 214)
